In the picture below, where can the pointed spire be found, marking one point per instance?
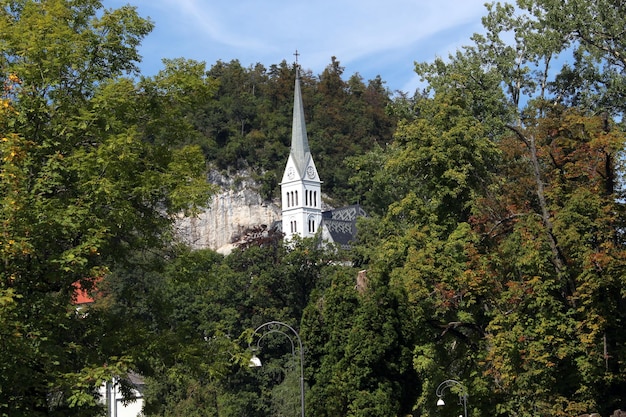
(299, 141)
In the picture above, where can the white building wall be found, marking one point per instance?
(115, 404)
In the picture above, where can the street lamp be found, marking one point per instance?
(282, 328)
(462, 394)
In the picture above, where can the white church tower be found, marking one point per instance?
(301, 185)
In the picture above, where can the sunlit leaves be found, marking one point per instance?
(509, 243)
(80, 186)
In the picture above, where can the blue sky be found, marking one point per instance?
(383, 37)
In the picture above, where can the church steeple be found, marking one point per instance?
(299, 141)
(301, 185)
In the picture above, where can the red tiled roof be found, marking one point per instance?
(81, 296)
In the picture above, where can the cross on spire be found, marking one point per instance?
(296, 66)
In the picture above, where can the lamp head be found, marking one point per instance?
(255, 362)
(441, 402)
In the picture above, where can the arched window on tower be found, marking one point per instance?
(296, 198)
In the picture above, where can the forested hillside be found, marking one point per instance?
(494, 254)
(241, 117)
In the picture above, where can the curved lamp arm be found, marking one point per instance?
(280, 327)
(462, 393)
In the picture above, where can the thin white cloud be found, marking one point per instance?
(215, 20)
(358, 32)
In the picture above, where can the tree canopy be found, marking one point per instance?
(80, 186)
(506, 229)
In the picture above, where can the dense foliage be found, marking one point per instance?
(506, 231)
(79, 187)
(494, 251)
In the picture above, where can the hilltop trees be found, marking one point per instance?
(246, 123)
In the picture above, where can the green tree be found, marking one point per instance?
(172, 101)
(441, 162)
(185, 317)
(182, 325)
(595, 78)
(507, 197)
(358, 356)
(347, 119)
(79, 188)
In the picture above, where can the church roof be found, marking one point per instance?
(299, 142)
(341, 223)
(347, 213)
(342, 232)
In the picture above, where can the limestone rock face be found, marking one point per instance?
(234, 209)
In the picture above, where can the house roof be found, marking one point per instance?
(81, 296)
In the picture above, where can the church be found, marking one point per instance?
(238, 211)
(301, 191)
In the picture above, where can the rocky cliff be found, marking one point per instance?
(234, 209)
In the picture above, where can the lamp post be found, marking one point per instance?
(462, 393)
(284, 329)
